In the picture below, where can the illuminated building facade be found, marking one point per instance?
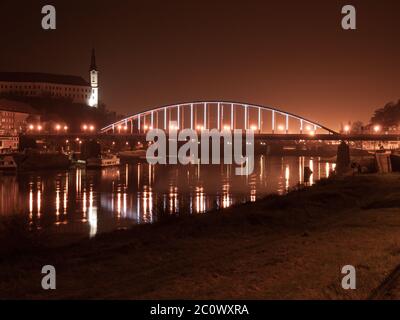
(14, 117)
(54, 86)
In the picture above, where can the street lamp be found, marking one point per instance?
(377, 128)
(91, 128)
(58, 127)
(84, 127)
(65, 128)
(346, 129)
(39, 127)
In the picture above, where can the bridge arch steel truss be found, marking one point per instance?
(198, 116)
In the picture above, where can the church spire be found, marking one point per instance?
(93, 65)
(94, 82)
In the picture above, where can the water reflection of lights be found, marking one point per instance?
(287, 177)
(173, 200)
(30, 201)
(200, 200)
(92, 216)
(78, 180)
(84, 207)
(65, 198)
(253, 195)
(127, 175)
(319, 168)
(119, 205)
(327, 170)
(262, 167)
(139, 171)
(125, 205)
(301, 170)
(219, 189)
(151, 171)
(226, 200)
(226, 197)
(312, 172)
(145, 202)
(58, 201)
(39, 203)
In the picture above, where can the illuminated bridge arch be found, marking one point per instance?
(220, 115)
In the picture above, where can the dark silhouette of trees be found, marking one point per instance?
(388, 116)
(357, 127)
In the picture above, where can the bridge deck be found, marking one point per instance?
(257, 136)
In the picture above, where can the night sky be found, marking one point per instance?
(290, 54)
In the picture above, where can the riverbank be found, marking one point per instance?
(279, 247)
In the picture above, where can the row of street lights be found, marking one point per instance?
(60, 128)
(347, 128)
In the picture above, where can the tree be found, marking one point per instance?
(357, 127)
(387, 116)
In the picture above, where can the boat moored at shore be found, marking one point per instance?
(102, 162)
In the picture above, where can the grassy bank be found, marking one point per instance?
(280, 247)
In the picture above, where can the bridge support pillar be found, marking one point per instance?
(343, 158)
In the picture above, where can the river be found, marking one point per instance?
(87, 202)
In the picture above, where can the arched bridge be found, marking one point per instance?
(220, 115)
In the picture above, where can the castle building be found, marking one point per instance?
(54, 86)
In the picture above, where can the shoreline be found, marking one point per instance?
(290, 246)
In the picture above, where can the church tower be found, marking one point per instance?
(94, 82)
